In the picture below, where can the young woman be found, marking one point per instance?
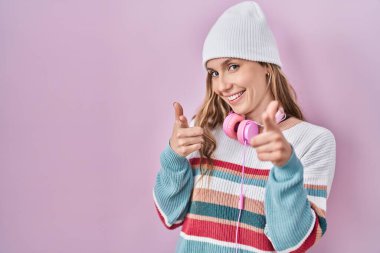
(248, 173)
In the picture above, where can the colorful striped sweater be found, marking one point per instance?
(284, 209)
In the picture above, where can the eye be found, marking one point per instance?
(229, 67)
(237, 66)
(212, 72)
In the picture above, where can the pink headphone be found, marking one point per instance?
(237, 127)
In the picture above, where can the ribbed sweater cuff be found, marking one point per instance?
(287, 171)
(171, 160)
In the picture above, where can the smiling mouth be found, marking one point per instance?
(236, 96)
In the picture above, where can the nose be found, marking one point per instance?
(223, 84)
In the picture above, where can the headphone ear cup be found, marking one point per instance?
(279, 115)
(246, 131)
(230, 124)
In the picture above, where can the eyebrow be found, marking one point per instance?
(223, 63)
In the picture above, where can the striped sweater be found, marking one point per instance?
(284, 209)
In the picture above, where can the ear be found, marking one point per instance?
(267, 71)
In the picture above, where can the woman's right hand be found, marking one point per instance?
(185, 139)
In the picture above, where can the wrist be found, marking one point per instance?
(292, 167)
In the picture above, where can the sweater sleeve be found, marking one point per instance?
(173, 187)
(296, 196)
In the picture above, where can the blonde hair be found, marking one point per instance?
(214, 110)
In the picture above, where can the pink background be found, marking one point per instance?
(86, 92)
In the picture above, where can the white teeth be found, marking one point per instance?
(233, 97)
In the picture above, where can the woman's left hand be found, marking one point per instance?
(271, 144)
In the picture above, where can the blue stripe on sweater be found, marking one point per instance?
(227, 213)
(316, 192)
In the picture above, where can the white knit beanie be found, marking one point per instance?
(241, 32)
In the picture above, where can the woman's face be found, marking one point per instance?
(240, 83)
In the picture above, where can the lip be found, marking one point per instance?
(236, 100)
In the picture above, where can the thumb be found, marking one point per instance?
(268, 117)
(183, 121)
(180, 119)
